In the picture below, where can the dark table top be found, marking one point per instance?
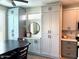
(7, 45)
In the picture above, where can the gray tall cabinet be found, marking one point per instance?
(16, 25)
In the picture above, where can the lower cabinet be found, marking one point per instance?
(69, 49)
(45, 46)
(35, 46)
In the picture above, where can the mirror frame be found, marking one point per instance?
(37, 25)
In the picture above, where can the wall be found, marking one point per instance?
(2, 22)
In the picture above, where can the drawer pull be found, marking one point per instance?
(68, 43)
(68, 53)
(68, 48)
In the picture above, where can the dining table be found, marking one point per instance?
(10, 45)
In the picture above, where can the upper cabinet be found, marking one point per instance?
(51, 6)
(77, 10)
(69, 19)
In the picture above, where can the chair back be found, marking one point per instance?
(22, 52)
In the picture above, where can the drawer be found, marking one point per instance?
(69, 50)
(67, 43)
(68, 53)
(69, 47)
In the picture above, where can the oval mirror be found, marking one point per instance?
(34, 28)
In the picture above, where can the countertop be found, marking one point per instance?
(69, 40)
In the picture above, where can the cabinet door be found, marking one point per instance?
(31, 46)
(13, 24)
(69, 19)
(77, 11)
(46, 27)
(10, 24)
(55, 45)
(45, 45)
(45, 22)
(55, 23)
(16, 25)
(36, 46)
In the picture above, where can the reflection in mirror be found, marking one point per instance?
(34, 28)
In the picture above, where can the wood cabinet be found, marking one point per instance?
(69, 19)
(77, 11)
(69, 49)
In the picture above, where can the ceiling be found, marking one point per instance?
(31, 3)
(69, 2)
(34, 3)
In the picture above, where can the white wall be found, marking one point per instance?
(2, 22)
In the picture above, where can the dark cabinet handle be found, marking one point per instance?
(68, 47)
(68, 53)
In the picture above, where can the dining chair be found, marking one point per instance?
(22, 52)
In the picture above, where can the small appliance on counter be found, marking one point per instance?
(77, 37)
